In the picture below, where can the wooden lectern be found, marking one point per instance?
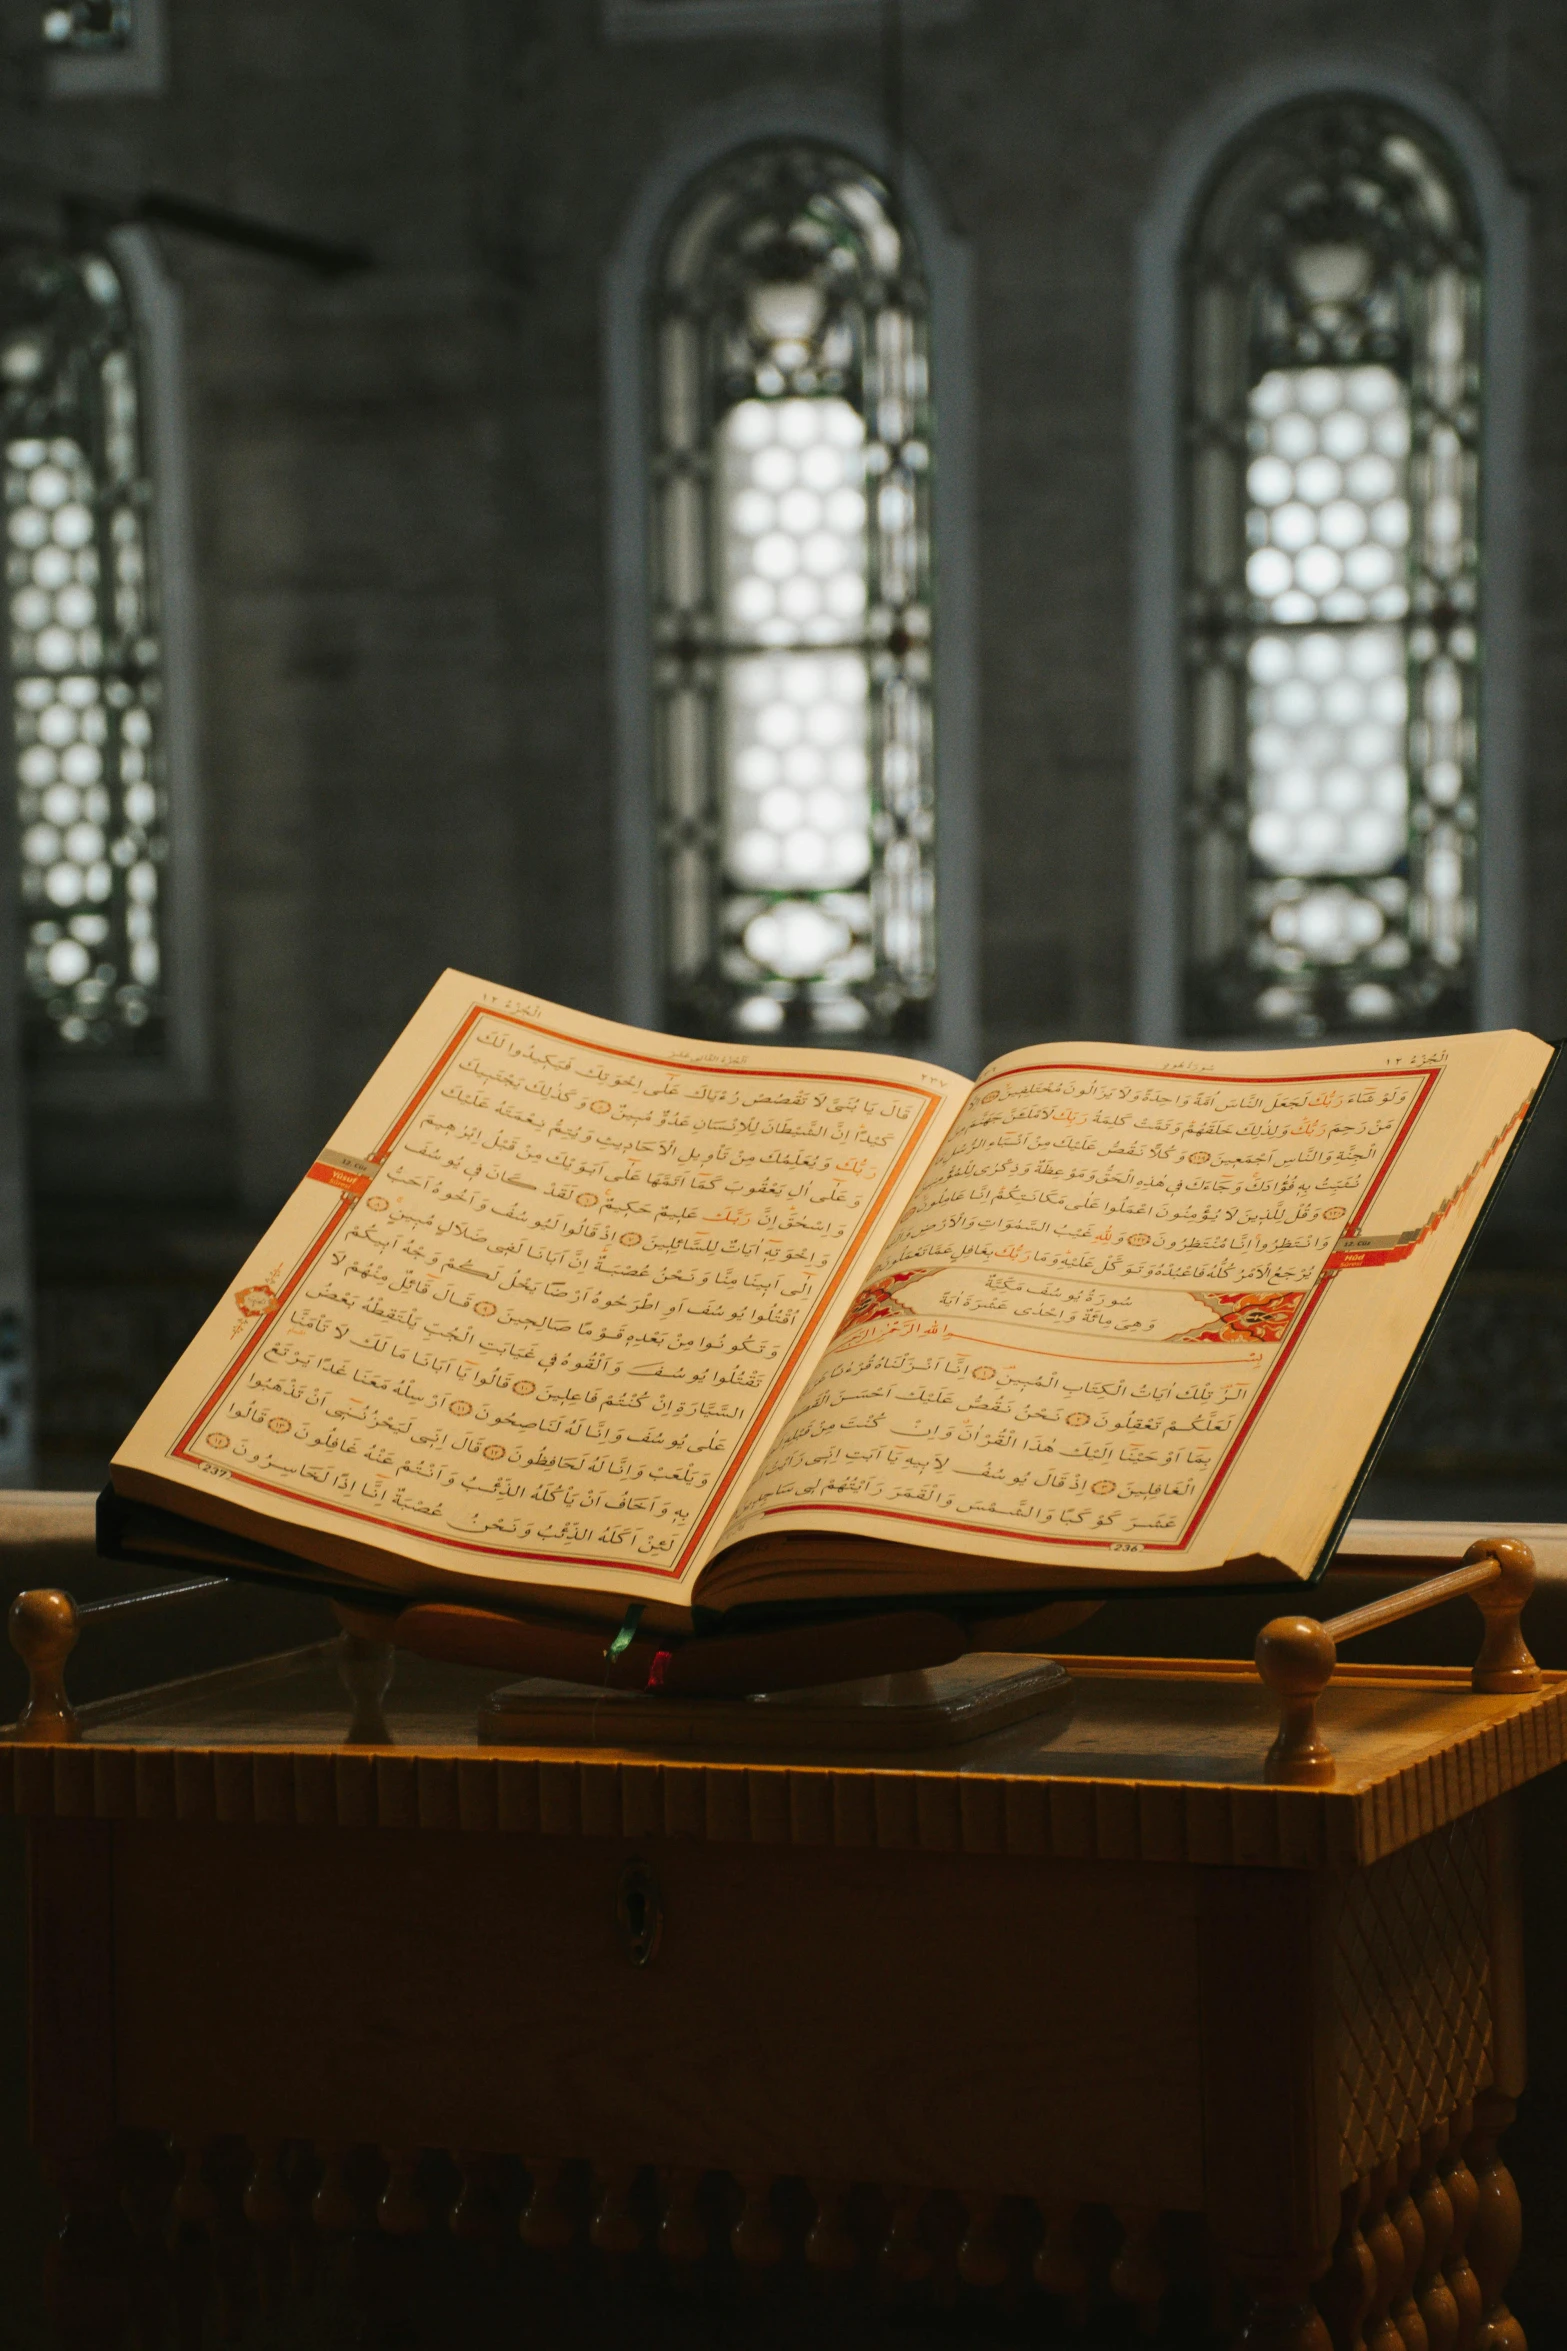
(1091, 1988)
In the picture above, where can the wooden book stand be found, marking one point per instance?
(899, 1681)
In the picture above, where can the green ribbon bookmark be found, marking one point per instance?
(627, 1633)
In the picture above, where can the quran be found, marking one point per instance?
(569, 1315)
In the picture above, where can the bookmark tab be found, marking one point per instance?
(626, 1635)
(348, 1175)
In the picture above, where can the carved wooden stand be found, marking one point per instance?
(1173, 2020)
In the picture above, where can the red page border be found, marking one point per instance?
(932, 1101)
(1429, 1073)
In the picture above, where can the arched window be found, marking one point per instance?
(86, 681)
(1332, 579)
(790, 479)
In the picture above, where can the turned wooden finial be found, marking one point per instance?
(365, 1661)
(475, 2216)
(1504, 1663)
(756, 2239)
(615, 2228)
(1137, 2274)
(1463, 2196)
(1496, 2233)
(905, 2258)
(544, 2224)
(982, 2257)
(401, 2210)
(682, 2232)
(1296, 1657)
(831, 2248)
(334, 2207)
(1059, 2267)
(1344, 2295)
(43, 1634)
(1434, 2296)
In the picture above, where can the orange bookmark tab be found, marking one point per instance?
(348, 1175)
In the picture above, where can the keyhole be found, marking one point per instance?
(639, 1912)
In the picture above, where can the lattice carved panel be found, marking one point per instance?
(1411, 1972)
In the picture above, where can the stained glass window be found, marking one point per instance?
(792, 605)
(90, 27)
(1333, 582)
(85, 682)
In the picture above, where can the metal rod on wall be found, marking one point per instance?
(87, 217)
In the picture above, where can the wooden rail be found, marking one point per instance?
(45, 1625)
(1296, 1654)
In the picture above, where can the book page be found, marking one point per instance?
(536, 1310)
(1148, 1309)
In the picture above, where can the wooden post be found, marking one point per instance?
(905, 2260)
(615, 2230)
(267, 2209)
(1059, 2268)
(1463, 2198)
(1137, 2274)
(1405, 2216)
(756, 2239)
(544, 2224)
(682, 2232)
(1438, 2307)
(1346, 2294)
(1504, 1663)
(475, 2216)
(44, 1627)
(1497, 2233)
(365, 1664)
(830, 2249)
(1295, 1657)
(1387, 2255)
(982, 2259)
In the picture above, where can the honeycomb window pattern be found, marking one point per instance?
(793, 507)
(797, 814)
(1328, 526)
(1328, 714)
(85, 719)
(1328, 519)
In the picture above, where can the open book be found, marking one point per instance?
(570, 1315)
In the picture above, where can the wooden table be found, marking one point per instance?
(974, 2000)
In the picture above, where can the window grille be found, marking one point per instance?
(91, 28)
(85, 677)
(792, 605)
(1333, 588)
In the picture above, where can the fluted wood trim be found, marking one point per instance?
(931, 1810)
